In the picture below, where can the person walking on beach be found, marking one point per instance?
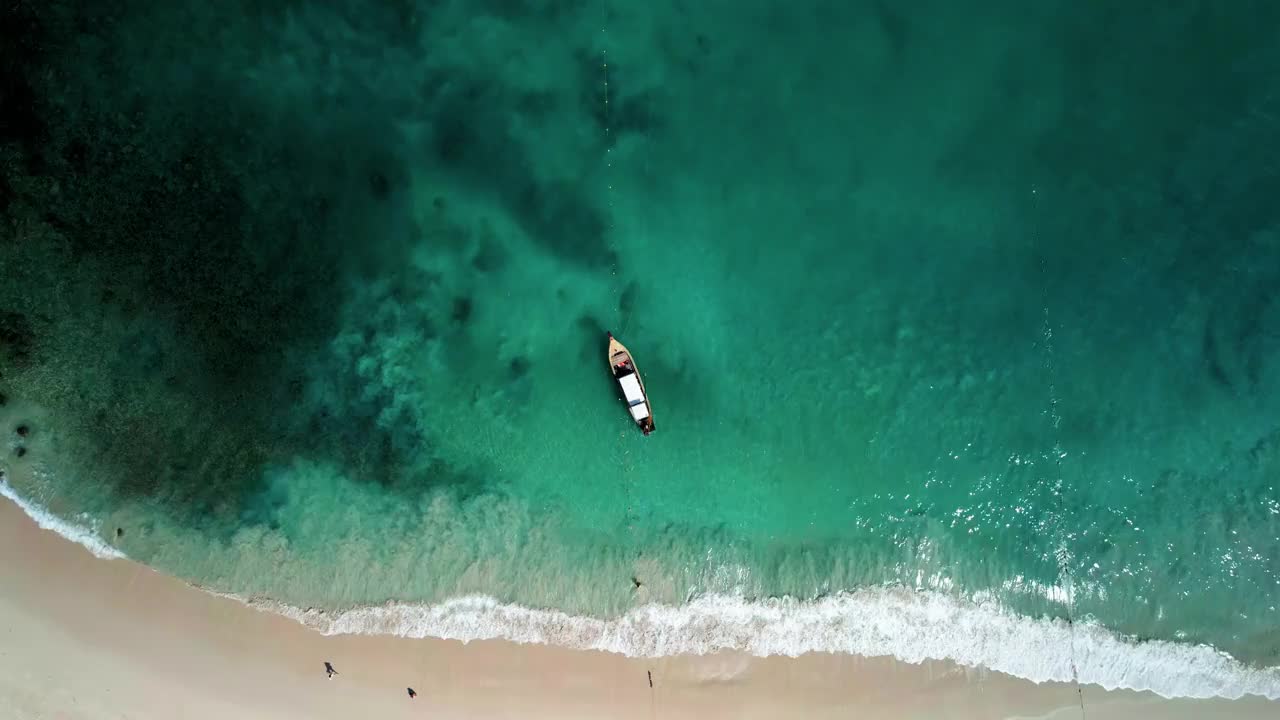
(412, 694)
(328, 668)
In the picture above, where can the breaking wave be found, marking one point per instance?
(910, 625)
(80, 534)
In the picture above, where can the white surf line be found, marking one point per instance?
(910, 625)
(78, 534)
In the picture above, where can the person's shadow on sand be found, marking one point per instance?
(328, 668)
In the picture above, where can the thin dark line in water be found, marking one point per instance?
(1063, 555)
(607, 113)
(624, 317)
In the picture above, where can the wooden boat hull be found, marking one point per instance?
(631, 386)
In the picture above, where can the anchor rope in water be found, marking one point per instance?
(627, 467)
(1063, 555)
(607, 113)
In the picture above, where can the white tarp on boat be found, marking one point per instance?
(640, 411)
(631, 387)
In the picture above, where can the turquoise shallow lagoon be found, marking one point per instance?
(977, 306)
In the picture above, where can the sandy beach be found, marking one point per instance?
(90, 638)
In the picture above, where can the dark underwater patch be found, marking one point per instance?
(456, 141)
(519, 367)
(470, 138)
(17, 339)
(628, 111)
(560, 219)
(490, 256)
(1252, 333)
(25, 39)
(460, 310)
(379, 185)
(1212, 361)
(627, 300)
(228, 241)
(895, 26)
(7, 195)
(1240, 336)
(591, 329)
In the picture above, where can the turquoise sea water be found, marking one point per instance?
(309, 303)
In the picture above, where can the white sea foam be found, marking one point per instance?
(75, 533)
(911, 625)
(1054, 593)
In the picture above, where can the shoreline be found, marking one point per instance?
(93, 638)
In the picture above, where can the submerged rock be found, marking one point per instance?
(17, 338)
(519, 367)
(460, 312)
(379, 185)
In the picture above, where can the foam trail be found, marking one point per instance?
(912, 626)
(80, 535)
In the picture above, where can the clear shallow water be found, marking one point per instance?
(312, 302)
